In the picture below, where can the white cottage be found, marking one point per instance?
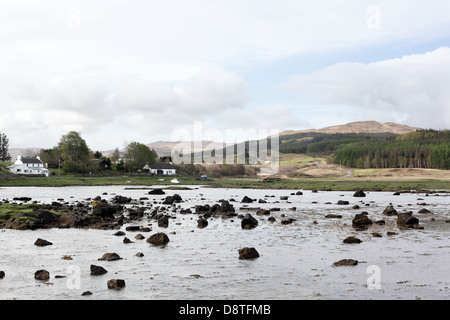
(161, 168)
(29, 166)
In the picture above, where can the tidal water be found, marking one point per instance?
(296, 260)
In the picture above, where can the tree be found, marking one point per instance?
(138, 155)
(74, 152)
(98, 155)
(4, 147)
(115, 155)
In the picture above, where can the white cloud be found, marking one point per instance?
(412, 89)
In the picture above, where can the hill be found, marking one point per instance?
(359, 127)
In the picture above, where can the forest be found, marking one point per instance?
(428, 149)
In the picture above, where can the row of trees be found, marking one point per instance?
(426, 149)
(73, 155)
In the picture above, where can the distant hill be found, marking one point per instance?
(359, 127)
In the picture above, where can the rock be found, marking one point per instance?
(158, 239)
(407, 220)
(202, 223)
(104, 209)
(163, 222)
(355, 206)
(139, 254)
(248, 222)
(424, 211)
(299, 193)
(248, 253)
(261, 212)
(288, 221)
(110, 257)
(2, 274)
(361, 220)
(225, 207)
(24, 199)
(116, 284)
(46, 216)
(42, 275)
(119, 233)
(377, 235)
(126, 240)
(351, 240)
(139, 237)
(132, 228)
(97, 270)
(359, 193)
(333, 216)
(342, 202)
(246, 200)
(86, 293)
(42, 243)
(284, 197)
(121, 199)
(345, 262)
(271, 219)
(172, 199)
(156, 191)
(396, 193)
(390, 210)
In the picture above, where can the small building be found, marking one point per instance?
(161, 168)
(29, 166)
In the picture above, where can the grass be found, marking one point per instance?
(11, 210)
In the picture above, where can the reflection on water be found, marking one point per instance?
(295, 259)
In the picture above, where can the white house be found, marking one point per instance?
(29, 166)
(161, 168)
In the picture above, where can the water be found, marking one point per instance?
(295, 260)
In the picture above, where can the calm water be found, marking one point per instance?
(295, 260)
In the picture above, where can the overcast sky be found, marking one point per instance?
(117, 70)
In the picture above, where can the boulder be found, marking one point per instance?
(97, 270)
(156, 191)
(2, 274)
(345, 262)
(361, 220)
(390, 210)
(42, 243)
(407, 220)
(246, 200)
(104, 209)
(359, 193)
(351, 240)
(248, 222)
(172, 199)
(43, 275)
(202, 223)
(248, 253)
(158, 239)
(116, 284)
(110, 257)
(163, 222)
(121, 199)
(343, 202)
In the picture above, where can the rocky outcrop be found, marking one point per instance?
(390, 210)
(248, 222)
(97, 270)
(361, 221)
(43, 275)
(158, 239)
(407, 220)
(359, 193)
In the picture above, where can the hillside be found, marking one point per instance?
(358, 127)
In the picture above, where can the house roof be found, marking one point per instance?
(31, 160)
(162, 165)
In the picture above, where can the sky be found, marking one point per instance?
(119, 71)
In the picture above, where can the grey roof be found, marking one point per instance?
(162, 165)
(31, 160)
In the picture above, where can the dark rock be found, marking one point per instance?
(407, 220)
(351, 240)
(424, 211)
(163, 222)
(126, 240)
(42, 275)
(132, 228)
(345, 262)
(299, 193)
(172, 199)
(42, 243)
(110, 257)
(139, 254)
(248, 222)
(246, 200)
(158, 239)
(46, 216)
(263, 212)
(121, 199)
(86, 293)
(116, 284)
(284, 197)
(139, 237)
(104, 209)
(225, 206)
(396, 193)
(248, 253)
(359, 193)
(97, 270)
(156, 191)
(2, 274)
(119, 233)
(390, 210)
(202, 223)
(24, 199)
(361, 220)
(288, 221)
(342, 202)
(333, 216)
